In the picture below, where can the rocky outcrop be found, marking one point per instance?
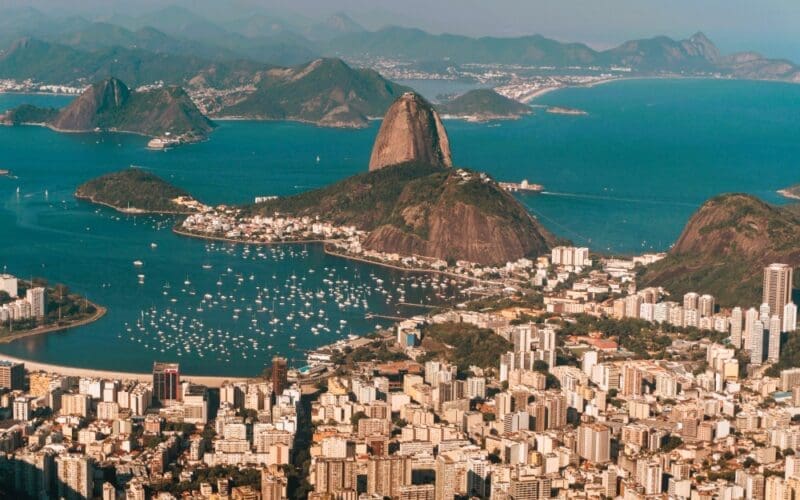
(411, 132)
(456, 226)
(416, 209)
(110, 105)
(724, 247)
(88, 111)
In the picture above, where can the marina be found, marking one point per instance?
(93, 249)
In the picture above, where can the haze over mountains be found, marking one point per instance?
(181, 42)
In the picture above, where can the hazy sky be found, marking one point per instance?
(769, 26)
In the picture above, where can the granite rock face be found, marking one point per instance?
(411, 132)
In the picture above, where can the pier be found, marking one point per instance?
(514, 187)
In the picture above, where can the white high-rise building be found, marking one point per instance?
(476, 387)
(588, 362)
(647, 311)
(22, 409)
(36, 298)
(777, 287)
(736, 327)
(764, 313)
(757, 343)
(706, 305)
(661, 311)
(750, 318)
(8, 284)
(774, 351)
(789, 317)
(690, 300)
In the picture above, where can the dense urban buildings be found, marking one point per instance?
(600, 389)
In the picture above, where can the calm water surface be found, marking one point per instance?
(622, 179)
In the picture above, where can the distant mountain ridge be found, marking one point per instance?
(657, 54)
(159, 45)
(31, 58)
(326, 92)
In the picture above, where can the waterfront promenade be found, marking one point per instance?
(32, 366)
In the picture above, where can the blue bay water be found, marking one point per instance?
(622, 179)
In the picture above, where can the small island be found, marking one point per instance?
(166, 113)
(556, 110)
(481, 105)
(792, 192)
(136, 191)
(33, 307)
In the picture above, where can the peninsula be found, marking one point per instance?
(34, 307)
(791, 192)
(412, 202)
(136, 191)
(110, 105)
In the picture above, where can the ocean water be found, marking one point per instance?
(622, 179)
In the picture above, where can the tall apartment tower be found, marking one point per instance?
(166, 381)
(736, 327)
(280, 370)
(777, 287)
(12, 375)
(75, 477)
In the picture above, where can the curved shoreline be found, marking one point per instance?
(788, 194)
(327, 251)
(189, 234)
(127, 211)
(100, 312)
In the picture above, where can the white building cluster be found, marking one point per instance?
(33, 305)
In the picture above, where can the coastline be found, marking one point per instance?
(786, 193)
(128, 211)
(207, 380)
(336, 254)
(101, 311)
(189, 234)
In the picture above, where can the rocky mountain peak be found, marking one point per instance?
(411, 132)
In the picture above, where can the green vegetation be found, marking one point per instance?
(167, 110)
(325, 91)
(380, 351)
(28, 113)
(364, 200)
(110, 105)
(60, 64)
(645, 339)
(672, 443)
(790, 355)
(529, 299)
(133, 189)
(464, 345)
(61, 307)
(412, 203)
(724, 247)
(484, 104)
